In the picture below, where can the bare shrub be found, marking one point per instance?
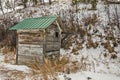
(67, 41)
(74, 50)
(78, 47)
(82, 65)
(6, 50)
(74, 67)
(68, 44)
(83, 62)
(91, 20)
(105, 54)
(113, 55)
(95, 45)
(89, 43)
(9, 54)
(81, 31)
(108, 47)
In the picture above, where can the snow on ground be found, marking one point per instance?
(12, 72)
(91, 76)
(17, 67)
(12, 67)
(105, 68)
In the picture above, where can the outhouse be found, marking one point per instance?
(37, 38)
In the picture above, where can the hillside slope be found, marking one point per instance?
(91, 52)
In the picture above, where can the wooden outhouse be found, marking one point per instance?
(37, 38)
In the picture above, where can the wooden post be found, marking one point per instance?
(44, 45)
(59, 32)
(60, 36)
(16, 47)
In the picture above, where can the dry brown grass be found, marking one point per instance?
(108, 47)
(115, 43)
(74, 50)
(84, 63)
(12, 74)
(48, 69)
(77, 47)
(68, 44)
(74, 67)
(82, 32)
(95, 44)
(114, 55)
(89, 43)
(91, 20)
(7, 50)
(10, 58)
(9, 55)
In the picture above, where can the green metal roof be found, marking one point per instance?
(35, 23)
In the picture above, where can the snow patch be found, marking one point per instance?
(17, 67)
(90, 76)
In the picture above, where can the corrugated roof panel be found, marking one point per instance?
(35, 23)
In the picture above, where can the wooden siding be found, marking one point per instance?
(30, 46)
(52, 42)
(31, 37)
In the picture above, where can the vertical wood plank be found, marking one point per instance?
(44, 44)
(16, 47)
